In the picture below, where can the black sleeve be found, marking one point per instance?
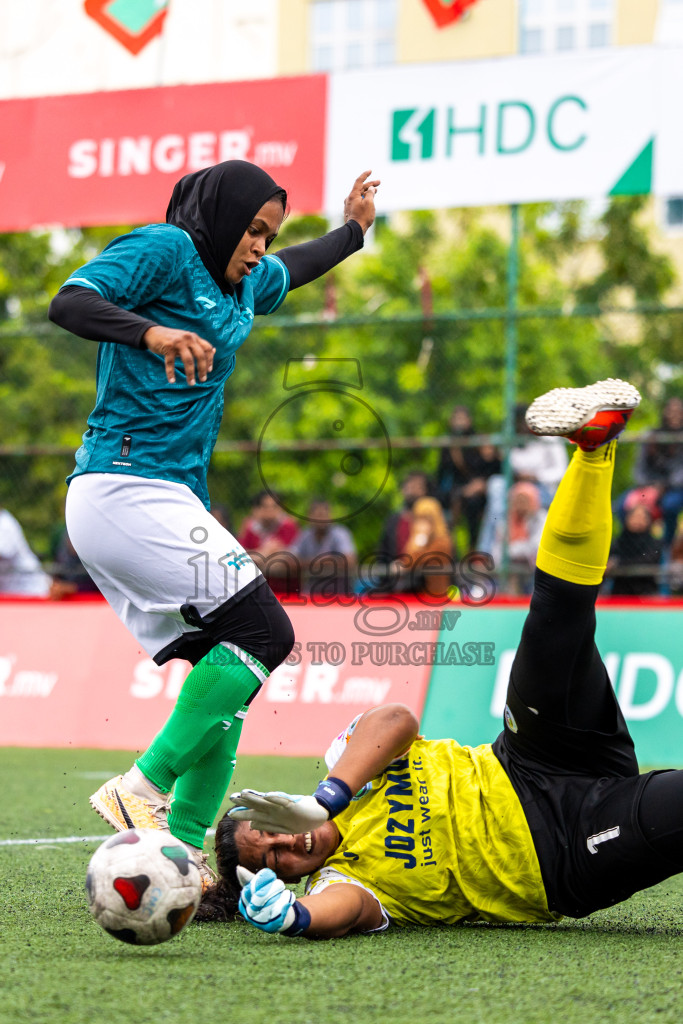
(84, 312)
(309, 260)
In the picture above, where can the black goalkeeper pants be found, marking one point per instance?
(601, 830)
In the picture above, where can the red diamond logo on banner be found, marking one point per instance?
(445, 12)
(134, 23)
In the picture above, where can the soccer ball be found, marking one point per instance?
(143, 886)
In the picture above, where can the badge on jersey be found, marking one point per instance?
(509, 719)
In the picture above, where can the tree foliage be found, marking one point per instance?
(381, 348)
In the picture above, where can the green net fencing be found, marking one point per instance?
(335, 407)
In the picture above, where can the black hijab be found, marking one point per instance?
(216, 206)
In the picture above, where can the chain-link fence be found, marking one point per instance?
(342, 409)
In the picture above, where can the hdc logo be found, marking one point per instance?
(412, 136)
(504, 128)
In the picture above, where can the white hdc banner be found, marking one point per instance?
(510, 130)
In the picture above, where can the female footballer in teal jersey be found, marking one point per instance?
(170, 305)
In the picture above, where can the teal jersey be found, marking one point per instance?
(141, 424)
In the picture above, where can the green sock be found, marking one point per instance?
(199, 792)
(217, 687)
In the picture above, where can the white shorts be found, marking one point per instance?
(151, 546)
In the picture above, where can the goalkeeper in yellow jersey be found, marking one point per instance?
(551, 819)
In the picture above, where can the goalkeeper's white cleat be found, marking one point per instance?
(589, 416)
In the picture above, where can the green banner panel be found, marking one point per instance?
(642, 649)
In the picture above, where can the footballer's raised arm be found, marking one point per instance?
(310, 260)
(380, 735)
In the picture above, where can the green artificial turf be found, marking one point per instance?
(56, 965)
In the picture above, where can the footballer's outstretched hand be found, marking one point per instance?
(287, 812)
(359, 205)
(278, 812)
(268, 905)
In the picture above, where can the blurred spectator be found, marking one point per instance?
(525, 526)
(675, 565)
(221, 513)
(540, 461)
(20, 570)
(268, 529)
(267, 535)
(425, 564)
(660, 463)
(647, 496)
(69, 575)
(326, 552)
(635, 547)
(396, 529)
(463, 474)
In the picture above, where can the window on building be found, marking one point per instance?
(598, 35)
(566, 37)
(673, 212)
(669, 29)
(347, 34)
(548, 26)
(531, 40)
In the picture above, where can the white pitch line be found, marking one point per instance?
(92, 775)
(49, 841)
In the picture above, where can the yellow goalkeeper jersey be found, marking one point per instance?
(440, 837)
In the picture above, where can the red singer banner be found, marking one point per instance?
(72, 675)
(113, 157)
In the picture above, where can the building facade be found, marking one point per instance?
(75, 47)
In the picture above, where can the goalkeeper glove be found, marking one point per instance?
(285, 812)
(267, 904)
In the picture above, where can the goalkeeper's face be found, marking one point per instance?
(290, 857)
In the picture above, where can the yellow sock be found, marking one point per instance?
(578, 531)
